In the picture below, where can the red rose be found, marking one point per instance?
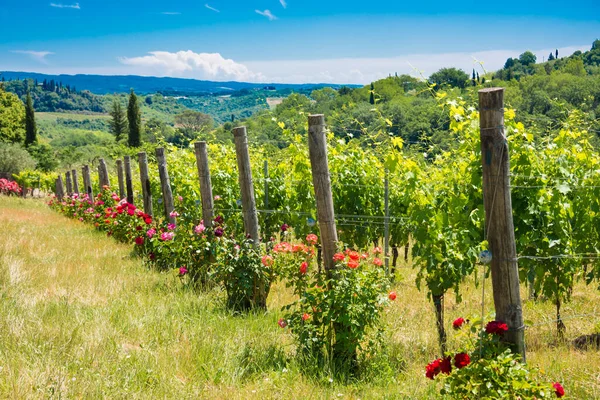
(462, 360)
(282, 323)
(303, 268)
(558, 389)
(139, 240)
(458, 322)
(352, 264)
(432, 369)
(338, 257)
(446, 365)
(496, 327)
(305, 316)
(354, 256)
(148, 220)
(392, 296)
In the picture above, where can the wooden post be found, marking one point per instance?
(75, 181)
(165, 184)
(121, 179)
(128, 181)
(145, 180)
(499, 226)
(246, 185)
(87, 182)
(60, 192)
(103, 174)
(386, 226)
(266, 202)
(317, 149)
(68, 182)
(205, 183)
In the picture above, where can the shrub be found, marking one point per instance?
(336, 318)
(9, 187)
(13, 159)
(487, 369)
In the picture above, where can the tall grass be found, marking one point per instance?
(81, 318)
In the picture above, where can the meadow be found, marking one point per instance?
(82, 317)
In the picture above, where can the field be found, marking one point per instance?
(82, 318)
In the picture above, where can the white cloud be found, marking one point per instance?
(283, 3)
(59, 5)
(170, 13)
(39, 56)
(267, 14)
(211, 66)
(211, 8)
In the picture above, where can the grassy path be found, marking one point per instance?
(81, 318)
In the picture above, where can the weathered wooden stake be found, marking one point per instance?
(317, 149)
(68, 182)
(87, 182)
(205, 183)
(246, 185)
(145, 180)
(165, 184)
(60, 191)
(75, 181)
(266, 201)
(498, 216)
(121, 179)
(128, 181)
(386, 226)
(103, 174)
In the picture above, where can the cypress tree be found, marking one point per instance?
(134, 117)
(30, 128)
(551, 57)
(118, 123)
(473, 79)
(556, 54)
(372, 96)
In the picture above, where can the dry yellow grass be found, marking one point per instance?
(81, 318)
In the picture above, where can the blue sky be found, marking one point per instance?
(348, 41)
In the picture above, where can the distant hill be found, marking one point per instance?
(103, 84)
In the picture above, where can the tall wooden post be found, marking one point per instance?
(87, 182)
(386, 226)
(128, 181)
(145, 180)
(121, 179)
(246, 185)
(317, 149)
(498, 216)
(266, 201)
(75, 181)
(60, 191)
(103, 174)
(165, 184)
(68, 182)
(205, 183)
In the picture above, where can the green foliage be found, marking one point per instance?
(30, 127)
(452, 77)
(12, 118)
(44, 155)
(527, 58)
(14, 159)
(134, 119)
(36, 179)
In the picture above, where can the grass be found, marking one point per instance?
(53, 116)
(81, 318)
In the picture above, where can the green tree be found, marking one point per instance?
(12, 118)
(527, 58)
(450, 76)
(551, 57)
(118, 123)
(14, 159)
(134, 117)
(30, 128)
(372, 94)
